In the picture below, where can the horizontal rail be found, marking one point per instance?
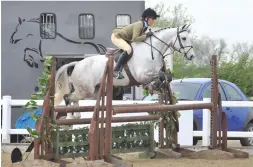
(17, 131)
(91, 108)
(160, 108)
(230, 134)
(114, 120)
(22, 102)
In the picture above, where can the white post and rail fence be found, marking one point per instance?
(185, 135)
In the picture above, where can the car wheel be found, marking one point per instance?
(195, 141)
(247, 141)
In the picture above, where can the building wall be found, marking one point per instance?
(23, 48)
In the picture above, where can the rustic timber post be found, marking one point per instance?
(109, 92)
(94, 127)
(214, 100)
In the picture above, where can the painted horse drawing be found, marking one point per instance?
(33, 53)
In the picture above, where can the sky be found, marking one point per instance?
(231, 20)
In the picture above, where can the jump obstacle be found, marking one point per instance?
(101, 138)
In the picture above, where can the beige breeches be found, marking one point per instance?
(120, 43)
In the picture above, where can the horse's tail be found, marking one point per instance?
(62, 83)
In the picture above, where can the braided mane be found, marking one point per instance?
(161, 29)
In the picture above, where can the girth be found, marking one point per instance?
(116, 52)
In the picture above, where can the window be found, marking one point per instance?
(86, 26)
(122, 20)
(47, 25)
(184, 90)
(233, 95)
(207, 92)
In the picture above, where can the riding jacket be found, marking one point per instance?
(134, 32)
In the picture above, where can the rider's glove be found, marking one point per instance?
(149, 34)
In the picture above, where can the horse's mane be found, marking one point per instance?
(157, 29)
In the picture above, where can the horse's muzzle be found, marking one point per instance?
(14, 41)
(189, 58)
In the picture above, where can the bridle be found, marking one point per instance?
(173, 46)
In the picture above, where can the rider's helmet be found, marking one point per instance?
(150, 13)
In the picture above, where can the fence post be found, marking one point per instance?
(6, 117)
(206, 124)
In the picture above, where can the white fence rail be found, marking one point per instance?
(185, 135)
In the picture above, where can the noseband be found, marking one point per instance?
(173, 46)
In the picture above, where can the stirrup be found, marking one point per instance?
(118, 75)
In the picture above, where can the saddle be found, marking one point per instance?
(116, 52)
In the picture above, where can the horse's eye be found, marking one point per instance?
(184, 38)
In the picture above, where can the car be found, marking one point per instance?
(195, 89)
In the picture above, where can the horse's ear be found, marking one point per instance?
(186, 27)
(189, 28)
(19, 20)
(34, 20)
(183, 27)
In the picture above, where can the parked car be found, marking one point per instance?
(195, 89)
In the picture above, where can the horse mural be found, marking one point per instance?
(145, 65)
(33, 53)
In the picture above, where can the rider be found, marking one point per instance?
(135, 32)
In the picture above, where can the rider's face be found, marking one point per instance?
(150, 21)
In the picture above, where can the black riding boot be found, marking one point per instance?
(121, 61)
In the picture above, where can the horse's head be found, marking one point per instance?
(182, 41)
(21, 30)
(177, 39)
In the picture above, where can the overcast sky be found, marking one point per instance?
(228, 19)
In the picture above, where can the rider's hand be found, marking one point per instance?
(149, 34)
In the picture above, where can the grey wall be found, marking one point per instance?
(19, 79)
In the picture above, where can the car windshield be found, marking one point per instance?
(182, 90)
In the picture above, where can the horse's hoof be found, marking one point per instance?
(77, 115)
(70, 117)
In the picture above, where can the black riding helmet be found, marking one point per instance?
(150, 13)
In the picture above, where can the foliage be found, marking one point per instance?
(182, 69)
(32, 104)
(42, 84)
(177, 17)
(239, 72)
(235, 63)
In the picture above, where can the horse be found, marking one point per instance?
(145, 65)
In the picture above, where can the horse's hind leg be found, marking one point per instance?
(68, 100)
(77, 115)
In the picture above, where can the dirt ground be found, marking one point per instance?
(181, 162)
(184, 162)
